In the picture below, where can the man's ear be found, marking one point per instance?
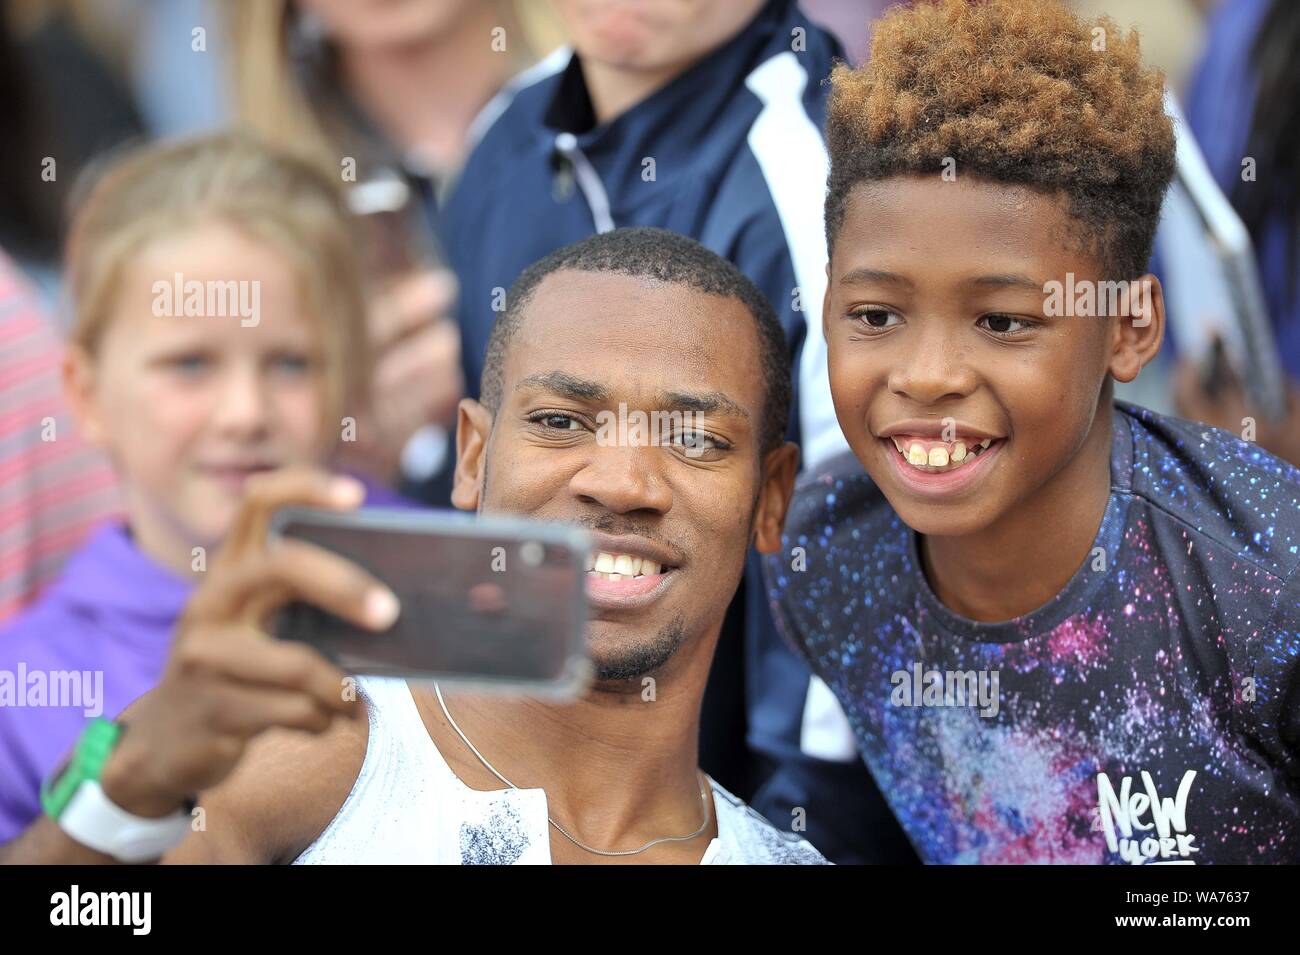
(80, 381)
(1139, 329)
(779, 469)
(473, 427)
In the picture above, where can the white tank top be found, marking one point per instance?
(408, 807)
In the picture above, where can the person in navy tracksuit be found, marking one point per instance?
(724, 146)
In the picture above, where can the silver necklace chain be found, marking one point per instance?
(704, 799)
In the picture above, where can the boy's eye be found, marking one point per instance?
(877, 318)
(1004, 324)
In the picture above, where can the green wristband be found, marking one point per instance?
(88, 758)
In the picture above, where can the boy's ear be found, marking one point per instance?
(826, 304)
(80, 380)
(473, 427)
(780, 467)
(1139, 329)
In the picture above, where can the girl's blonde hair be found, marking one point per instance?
(233, 179)
(268, 92)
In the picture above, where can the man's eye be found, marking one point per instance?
(560, 422)
(699, 444)
(877, 317)
(696, 440)
(1004, 324)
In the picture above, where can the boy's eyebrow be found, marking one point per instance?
(864, 275)
(1005, 281)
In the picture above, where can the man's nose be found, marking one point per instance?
(932, 369)
(623, 479)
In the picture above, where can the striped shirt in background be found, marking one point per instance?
(53, 488)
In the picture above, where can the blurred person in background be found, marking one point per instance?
(1171, 30)
(703, 118)
(189, 397)
(64, 102)
(1244, 103)
(849, 21)
(53, 488)
(179, 64)
(385, 95)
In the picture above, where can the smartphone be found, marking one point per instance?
(488, 603)
(399, 238)
(1223, 325)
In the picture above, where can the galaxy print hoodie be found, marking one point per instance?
(1148, 714)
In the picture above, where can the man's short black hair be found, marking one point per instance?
(663, 256)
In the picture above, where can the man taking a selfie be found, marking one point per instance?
(640, 318)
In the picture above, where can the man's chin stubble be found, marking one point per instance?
(626, 664)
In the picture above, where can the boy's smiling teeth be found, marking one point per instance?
(938, 455)
(620, 566)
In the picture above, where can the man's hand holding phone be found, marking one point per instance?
(227, 680)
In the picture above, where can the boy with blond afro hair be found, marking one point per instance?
(1064, 628)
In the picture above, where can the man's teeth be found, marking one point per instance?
(945, 455)
(619, 566)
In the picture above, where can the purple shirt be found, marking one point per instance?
(94, 642)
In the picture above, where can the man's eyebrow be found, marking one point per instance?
(701, 402)
(1007, 281)
(562, 383)
(580, 389)
(862, 276)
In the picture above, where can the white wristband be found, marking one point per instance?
(94, 820)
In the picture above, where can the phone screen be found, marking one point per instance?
(498, 603)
